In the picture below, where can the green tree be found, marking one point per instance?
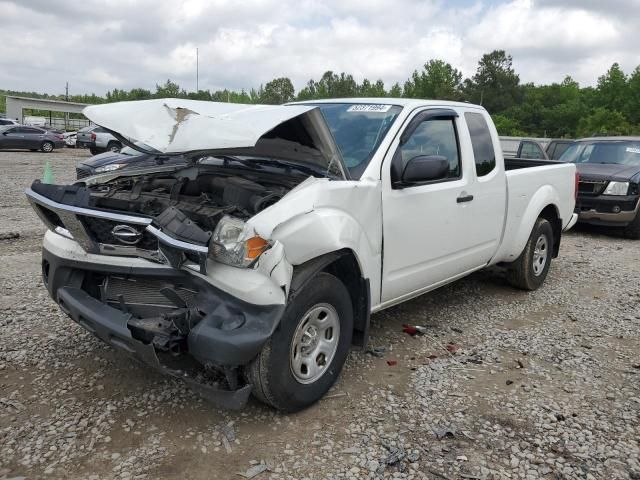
(368, 89)
(604, 122)
(437, 80)
(495, 85)
(632, 106)
(331, 85)
(169, 90)
(277, 91)
(395, 91)
(612, 89)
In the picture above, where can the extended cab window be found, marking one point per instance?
(434, 137)
(483, 150)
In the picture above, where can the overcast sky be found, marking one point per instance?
(98, 45)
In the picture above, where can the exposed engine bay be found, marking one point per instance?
(204, 199)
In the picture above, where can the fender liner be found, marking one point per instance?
(358, 287)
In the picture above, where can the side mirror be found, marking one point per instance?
(425, 168)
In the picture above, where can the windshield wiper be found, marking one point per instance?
(253, 162)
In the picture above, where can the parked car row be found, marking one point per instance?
(534, 148)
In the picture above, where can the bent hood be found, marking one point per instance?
(175, 126)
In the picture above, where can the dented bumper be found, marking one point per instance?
(114, 298)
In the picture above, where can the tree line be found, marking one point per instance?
(522, 109)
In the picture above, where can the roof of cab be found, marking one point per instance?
(402, 102)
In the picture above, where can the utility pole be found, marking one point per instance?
(197, 72)
(66, 99)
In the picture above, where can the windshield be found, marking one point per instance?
(617, 152)
(358, 130)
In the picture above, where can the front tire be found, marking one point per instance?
(47, 147)
(530, 270)
(304, 357)
(633, 229)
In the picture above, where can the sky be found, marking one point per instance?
(98, 45)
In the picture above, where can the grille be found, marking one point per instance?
(82, 173)
(143, 292)
(101, 229)
(591, 187)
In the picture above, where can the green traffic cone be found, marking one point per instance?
(48, 173)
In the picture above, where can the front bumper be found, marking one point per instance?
(229, 334)
(607, 210)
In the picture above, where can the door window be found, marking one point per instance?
(531, 151)
(483, 151)
(432, 137)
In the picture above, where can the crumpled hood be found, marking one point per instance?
(608, 171)
(173, 126)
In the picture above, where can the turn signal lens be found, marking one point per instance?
(254, 247)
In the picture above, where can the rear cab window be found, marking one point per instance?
(484, 152)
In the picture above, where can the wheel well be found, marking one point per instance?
(343, 265)
(111, 142)
(550, 213)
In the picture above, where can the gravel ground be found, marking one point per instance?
(504, 384)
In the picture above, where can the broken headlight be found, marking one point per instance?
(235, 243)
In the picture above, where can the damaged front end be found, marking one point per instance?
(164, 264)
(150, 286)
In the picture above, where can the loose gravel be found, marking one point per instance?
(503, 384)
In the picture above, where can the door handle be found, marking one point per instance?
(464, 198)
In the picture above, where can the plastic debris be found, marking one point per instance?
(377, 351)
(254, 471)
(414, 329)
(392, 363)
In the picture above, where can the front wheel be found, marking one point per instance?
(633, 229)
(47, 147)
(529, 271)
(304, 357)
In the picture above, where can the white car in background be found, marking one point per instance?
(70, 139)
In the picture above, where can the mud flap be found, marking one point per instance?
(110, 326)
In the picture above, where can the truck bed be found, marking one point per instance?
(517, 163)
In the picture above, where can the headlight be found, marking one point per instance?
(616, 188)
(110, 168)
(235, 243)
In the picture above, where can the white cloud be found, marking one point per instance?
(140, 43)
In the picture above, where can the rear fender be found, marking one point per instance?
(546, 196)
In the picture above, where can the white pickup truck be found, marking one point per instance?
(255, 266)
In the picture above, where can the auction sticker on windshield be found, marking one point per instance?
(369, 108)
(633, 150)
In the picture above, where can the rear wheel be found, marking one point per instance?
(47, 147)
(529, 271)
(114, 147)
(93, 150)
(633, 229)
(305, 355)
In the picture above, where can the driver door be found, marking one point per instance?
(426, 231)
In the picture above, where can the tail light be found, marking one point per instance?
(93, 137)
(60, 137)
(575, 192)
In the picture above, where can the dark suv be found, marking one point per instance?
(608, 191)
